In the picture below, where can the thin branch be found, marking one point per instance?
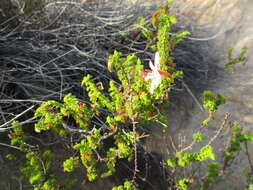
(10, 146)
(65, 126)
(220, 129)
(189, 147)
(43, 143)
(135, 152)
(16, 117)
(109, 135)
(193, 96)
(248, 157)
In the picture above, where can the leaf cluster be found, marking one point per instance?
(37, 170)
(128, 185)
(232, 61)
(184, 159)
(53, 113)
(17, 135)
(235, 145)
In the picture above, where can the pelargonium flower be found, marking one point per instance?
(155, 74)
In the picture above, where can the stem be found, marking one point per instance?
(248, 156)
(65, 126)
(135, 152)
(10, 146)
(17, 116)
(220, 129)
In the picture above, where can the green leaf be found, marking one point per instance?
(70, 164)
(36, 178)
(198, 137)
(172, 162)
(183, 184)
(10, 157)
(205, 153)
(212, 174)
(212, 101)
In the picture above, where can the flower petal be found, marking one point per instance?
(149, 76)
(157, 81)
(155, 75)
(152, 67)
(152, 87)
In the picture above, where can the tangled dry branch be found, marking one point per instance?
(46, 52)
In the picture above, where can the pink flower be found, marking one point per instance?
(154, 74)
